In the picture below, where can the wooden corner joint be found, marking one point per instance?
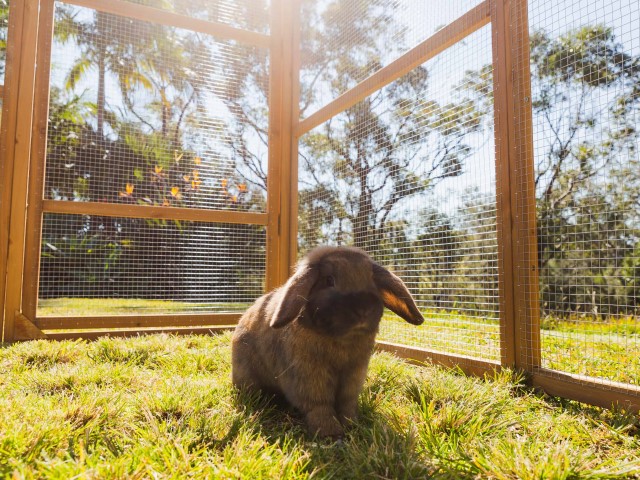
(25, 329)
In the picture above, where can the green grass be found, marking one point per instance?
(163, 407)
(604, 348)
(608, 349)
(78, 307)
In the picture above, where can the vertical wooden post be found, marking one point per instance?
(525, 225)
(7, 137)
(520, 339)
(295, 120)
(281, 108)
(17, 153)
(33, 236)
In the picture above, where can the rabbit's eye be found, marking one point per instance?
(331, 282)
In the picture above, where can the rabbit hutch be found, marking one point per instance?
(165, 162)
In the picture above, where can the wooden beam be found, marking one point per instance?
(518, 258)
(418, 356)
(10, 101)
(136, 321)
(504, 164)
(33, 235)
(444, 38)
(593, 391)
(296, 33)
(94, 334)
(153, 212)
(18, 152)
(24, 329)
(280, 142)
(527, 296)
(171, 19)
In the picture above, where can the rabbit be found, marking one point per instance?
(310, 340)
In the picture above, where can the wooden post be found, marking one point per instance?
(524, 227)
(38, 159)
(520, 333)
(281, 140)
(17, 153)
(295, 121)
(7, 136)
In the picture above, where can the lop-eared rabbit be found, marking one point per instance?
(310, 340)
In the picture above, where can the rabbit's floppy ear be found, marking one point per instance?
(294, 295)
(395, 295)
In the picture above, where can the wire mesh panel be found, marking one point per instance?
(585, 86)
(93, 265)
(4, 30)
(408, 174)
(344, 42)
(147, 114)
(252, 15)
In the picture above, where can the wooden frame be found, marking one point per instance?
(136, 321)
(23, 258)
(22, 154)
(170, 19)
(21, 96)
(7, 143)
(457, 30)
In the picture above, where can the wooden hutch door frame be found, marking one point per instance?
(24, 158)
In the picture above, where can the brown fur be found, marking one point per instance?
(311, 339)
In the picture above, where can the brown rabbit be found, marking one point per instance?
(311, 339)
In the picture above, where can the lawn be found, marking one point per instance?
(163, 407)
(608, 349)
(605, 348)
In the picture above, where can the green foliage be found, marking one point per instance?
(163, 407)
(395, 145)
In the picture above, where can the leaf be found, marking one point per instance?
(137, 172)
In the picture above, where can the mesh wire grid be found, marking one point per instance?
(146, 114)
(252, 15)
(585, 64)
(408, 174)
(4, 30)
(94, 265)
(336, 37)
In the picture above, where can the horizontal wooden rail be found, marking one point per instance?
(594, 391)
(416, 355)
(153, 212)
(444, 38)
(171, 19)
(136, 321)
(94, 334)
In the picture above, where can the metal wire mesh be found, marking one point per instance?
(252, 15)
(116, 266)
(4, 30)
(339, 50)
(408, 174)
(146, 114)
(585, 75)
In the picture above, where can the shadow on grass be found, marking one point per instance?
(374, 446)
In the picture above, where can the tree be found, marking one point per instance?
(586, 94)
(394, 145)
